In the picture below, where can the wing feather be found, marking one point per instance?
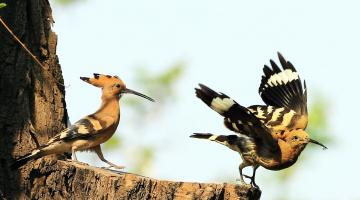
(282, 88)
(85, 128)
(239, 119)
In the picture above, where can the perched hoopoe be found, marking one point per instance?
(272, 135)
(91, 131)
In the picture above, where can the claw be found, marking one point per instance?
(114, 166)
(252, 181)
(242, 181)
(249, 177)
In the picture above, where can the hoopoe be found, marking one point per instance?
(91, 131)
(271, 135)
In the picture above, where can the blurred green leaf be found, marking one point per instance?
(144, 159)
(162, 85)
(113, 143)
(2, 5)
(67, 2)
(318, 122)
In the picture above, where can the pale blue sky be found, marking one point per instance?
(224, 44)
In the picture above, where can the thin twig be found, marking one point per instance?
(26, 49)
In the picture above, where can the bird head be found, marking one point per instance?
(112, 86)
(298, 139)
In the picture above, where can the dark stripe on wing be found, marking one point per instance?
(277, 118)
(283, 88)
(239, 119)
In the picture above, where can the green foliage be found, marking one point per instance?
(318, 122)
(161, 85)
(144, 157)
(2, 5)
(114, 142)
(67, 2)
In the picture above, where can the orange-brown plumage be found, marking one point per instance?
(92, 130)
(271, 135)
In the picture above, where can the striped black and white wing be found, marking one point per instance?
(277, 119)
(238, 118)
(283, 90)
(85, 128)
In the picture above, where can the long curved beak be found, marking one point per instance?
(318, 143)
(129, 91)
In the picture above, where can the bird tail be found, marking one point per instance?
(219, 102)
(227, 140)
(37, 153)
(236, 143)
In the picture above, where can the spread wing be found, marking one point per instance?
(282, 89)
(87, 127)
(277, 119)
(239, 119)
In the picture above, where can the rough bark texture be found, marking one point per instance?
(50, 179)
(29, 93)
(31, 96)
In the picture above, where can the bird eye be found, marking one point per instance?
(117, 85)
(295, 137)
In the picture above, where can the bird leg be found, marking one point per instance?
(252, 178)
(98, 151)
(73, 156)
(241, 167)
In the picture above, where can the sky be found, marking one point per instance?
(224, 44)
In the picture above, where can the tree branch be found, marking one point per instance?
(48, 178)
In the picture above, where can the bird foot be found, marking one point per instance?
(76, 161)
(241, 181)
(252, 181)
(114, 166)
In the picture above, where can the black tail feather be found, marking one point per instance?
(21, 161)
(206, 94)
(201, 135)
(37, 153)
(219, 102)
(234, 142)
(216, 138)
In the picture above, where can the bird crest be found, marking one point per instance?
(92, 130)
(271, 135)
(112, 86)
(102, 80)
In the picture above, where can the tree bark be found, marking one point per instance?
(33, 96)
(51, 179)
(29, 94)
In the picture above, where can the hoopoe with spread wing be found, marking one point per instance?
(271, 135)
(91, 131)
